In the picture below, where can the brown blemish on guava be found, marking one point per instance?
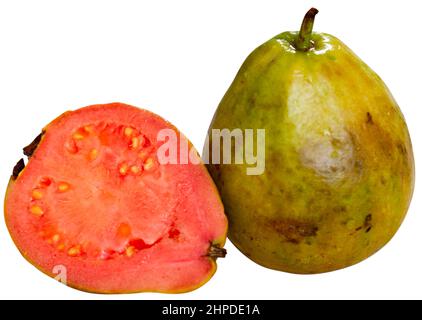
(401, 148)
(252, 101)
(336, 143)
(358, 165)
(338, 72)
(341, 209)
(325, 192)
(368, 220)
(367, 225)
(289, 196)
(294, 231)
(20, 165)
(30, 148)
(369, 119)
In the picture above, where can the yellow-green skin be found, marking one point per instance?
(339, 172)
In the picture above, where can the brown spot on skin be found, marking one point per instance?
(368, 220)
(401, 148)
(336, 143)
(369, 119)
(333, 169)
(325, 192)
(367, 225)
(338, 72)
(358, 166)
(340, 209)
(293, 231)
(289, 196)
(30, 148)
(252, 101)
(18, 168)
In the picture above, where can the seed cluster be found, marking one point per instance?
(131, 154)
(47, 186)
(129, 144)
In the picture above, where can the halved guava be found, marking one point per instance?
(95, 201)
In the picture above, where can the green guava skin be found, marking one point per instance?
(339, 168)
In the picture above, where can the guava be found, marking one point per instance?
(339, 168)
(95, 201)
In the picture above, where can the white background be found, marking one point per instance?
(177, 58)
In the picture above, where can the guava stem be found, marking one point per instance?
(17, 169)
(216, 252)
(30, 149)
(303, 41)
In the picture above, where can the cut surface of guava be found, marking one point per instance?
(95, 201)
